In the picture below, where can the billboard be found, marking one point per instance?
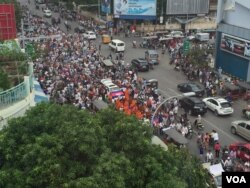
(180, 7)
(135, 9)
(235, 45)
(105, 6)
(7, 22)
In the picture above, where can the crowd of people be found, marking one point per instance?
(72, 70)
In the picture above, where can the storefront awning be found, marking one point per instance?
(185, 21)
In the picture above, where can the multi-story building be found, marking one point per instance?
(233, 38)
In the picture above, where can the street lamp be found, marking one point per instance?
(189, 94)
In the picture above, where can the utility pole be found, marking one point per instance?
(23, 45)
(99, 12)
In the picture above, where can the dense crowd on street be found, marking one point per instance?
(73, 68)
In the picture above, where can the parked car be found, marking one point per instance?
(219, 106)
(242, 150)
(191, 87)
(193, 105)
(89, 35)
(242, 128)
(140, 64)
(47, 13)
(79, 29)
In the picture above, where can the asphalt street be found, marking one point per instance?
(168, 79)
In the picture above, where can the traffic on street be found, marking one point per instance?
(148, 75)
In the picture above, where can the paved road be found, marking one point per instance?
(168, 79)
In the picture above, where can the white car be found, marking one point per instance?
(242, 128)
(89, 35)
(219, 106)
(47, 13)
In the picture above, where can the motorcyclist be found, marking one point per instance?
(134, 44)
(227, 164)
(246, 111)
(198, 122)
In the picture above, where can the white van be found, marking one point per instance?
(117, 45)
(202, 36)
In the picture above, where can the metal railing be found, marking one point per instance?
(13, 95)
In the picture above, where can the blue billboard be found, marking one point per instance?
(135, 9)
(105, 6)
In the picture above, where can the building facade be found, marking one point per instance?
(233, 38)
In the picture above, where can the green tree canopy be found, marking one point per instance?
(4, 81)
(61, 146)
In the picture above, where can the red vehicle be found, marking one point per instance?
(242, 149)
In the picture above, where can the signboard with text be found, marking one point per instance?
(235, 45)
(135, 9)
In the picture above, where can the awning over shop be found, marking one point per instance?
(185, 21)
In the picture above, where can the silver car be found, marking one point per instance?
(242, 128)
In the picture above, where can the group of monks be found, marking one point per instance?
(131, 106)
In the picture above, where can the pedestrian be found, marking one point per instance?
(206, 139)
(217, 149)
(100, 47)
(201, 152)
(215, 136)
(220, 72)
(233, 154)
(209, 156)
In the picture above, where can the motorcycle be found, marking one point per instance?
(198, 125)
(134, 44)
(177, 67)
(190, 132)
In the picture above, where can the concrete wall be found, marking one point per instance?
(16, 110)
(239, 17)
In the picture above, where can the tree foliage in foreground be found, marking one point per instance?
(61, 146)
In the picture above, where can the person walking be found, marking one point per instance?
(217, 149)
(215, 136)
(209, 156)
(201, 152)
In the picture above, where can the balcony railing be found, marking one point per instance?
(13, 95)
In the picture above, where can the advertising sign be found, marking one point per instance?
(134, 9)
(235, 45)
(7, 22)
(180, 7)
(105, 6)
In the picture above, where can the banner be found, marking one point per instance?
(134, 8)
(105, 6)
(235, 45)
